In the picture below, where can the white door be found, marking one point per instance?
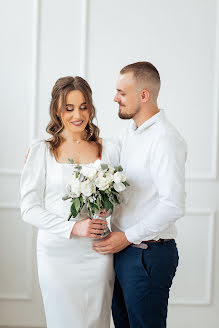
(44, 40)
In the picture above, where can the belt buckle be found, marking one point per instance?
(141, 245)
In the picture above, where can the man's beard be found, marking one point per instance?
(126, 116)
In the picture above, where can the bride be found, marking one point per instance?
(76, 282)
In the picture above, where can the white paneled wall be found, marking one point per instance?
(44, 40)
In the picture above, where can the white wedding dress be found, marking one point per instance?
(75, 281)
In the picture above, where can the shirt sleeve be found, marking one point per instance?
(167, 165)
(32, 189)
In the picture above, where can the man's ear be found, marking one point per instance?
(145, 95)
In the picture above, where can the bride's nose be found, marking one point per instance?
(77, 113)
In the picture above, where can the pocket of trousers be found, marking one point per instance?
(144, 265)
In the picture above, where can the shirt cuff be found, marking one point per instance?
(133, 236)
(130, 235)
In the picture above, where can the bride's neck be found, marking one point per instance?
(68, 136)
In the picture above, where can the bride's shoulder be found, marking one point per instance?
(36, 148)
(38, 144)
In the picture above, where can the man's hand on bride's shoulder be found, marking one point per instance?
(89, 228)
(115, 242)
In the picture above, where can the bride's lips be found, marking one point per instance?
(77, 123)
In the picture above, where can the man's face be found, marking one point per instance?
(127, 96)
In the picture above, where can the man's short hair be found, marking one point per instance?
(146, 75)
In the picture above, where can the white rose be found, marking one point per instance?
(89, 171)
(75, 188)
(109, 177)
(97, 164)
(111, 170)
(119, 177)
(87, 188)
(101, 183)
(100, 174)
(119, 186)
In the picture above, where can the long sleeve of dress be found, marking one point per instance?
(32, 188)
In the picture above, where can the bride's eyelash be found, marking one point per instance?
(71, 109)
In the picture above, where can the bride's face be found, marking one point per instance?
(75, 115)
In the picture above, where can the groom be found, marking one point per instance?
(152, 154)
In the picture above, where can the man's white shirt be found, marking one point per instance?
(153, 159)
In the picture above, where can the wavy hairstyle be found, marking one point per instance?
(59, 93)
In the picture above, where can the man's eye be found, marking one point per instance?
(122, 94)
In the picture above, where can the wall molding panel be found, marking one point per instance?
(213, 174)
(35, 69)
(84, 38)
(207, 299)
(26, 295)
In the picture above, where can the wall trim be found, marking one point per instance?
(27, 294)
(34, 70)
(213, 174)
(207, 300)
(83, 46)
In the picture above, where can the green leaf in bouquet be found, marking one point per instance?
(78, 167)
(77, 204)
(89, 211)
(126, 183)
(115, 198)
(73, 210)
(66, 197)
(96, 207)
(113, 191)
(81, 202)
(98, 201)
(104, 166)
(71, 160)
(81, 177)
(106, 203)
(70, 215)
(118, 168)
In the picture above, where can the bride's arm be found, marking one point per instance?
(32, 188)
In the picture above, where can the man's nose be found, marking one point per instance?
(116, 98)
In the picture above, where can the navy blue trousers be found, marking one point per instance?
(142, 284)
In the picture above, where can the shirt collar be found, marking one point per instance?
(133, 130)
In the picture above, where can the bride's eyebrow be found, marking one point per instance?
(84, 103)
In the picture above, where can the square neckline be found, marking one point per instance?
(59, 163)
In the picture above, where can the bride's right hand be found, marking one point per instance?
(89, 228)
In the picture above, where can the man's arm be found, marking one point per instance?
(168, 173)
(167, 167)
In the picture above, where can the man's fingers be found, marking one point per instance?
(102, 250)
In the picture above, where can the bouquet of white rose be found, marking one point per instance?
(95, 185)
